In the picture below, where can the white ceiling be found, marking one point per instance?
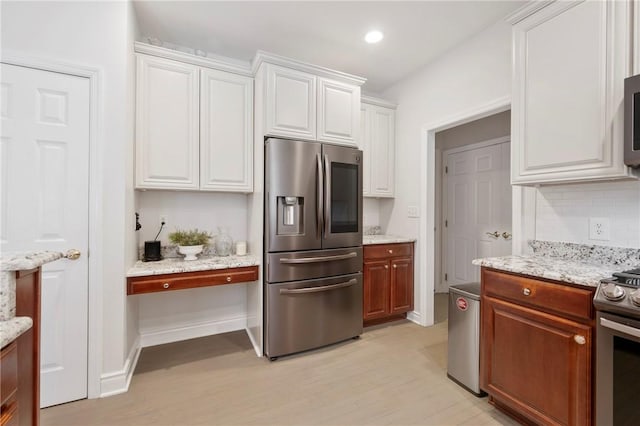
(327, 33)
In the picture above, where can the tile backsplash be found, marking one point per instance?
(563, 212)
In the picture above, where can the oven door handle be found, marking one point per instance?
(622, 328)
(319, 289)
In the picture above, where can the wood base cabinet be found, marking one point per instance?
(388, 282)
(537, 363)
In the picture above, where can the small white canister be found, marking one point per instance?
(241, 248)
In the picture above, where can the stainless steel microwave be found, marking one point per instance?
(632, 121)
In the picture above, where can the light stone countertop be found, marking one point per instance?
(178, 265)
(11, 329)
(553, 268)
(385, 239)
(19, 261)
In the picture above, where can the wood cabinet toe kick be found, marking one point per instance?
(186, 280)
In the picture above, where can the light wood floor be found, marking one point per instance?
(393, 375)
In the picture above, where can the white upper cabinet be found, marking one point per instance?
(291, 103)
(378, 144)
(166, 124)
(226, 131)
(570, 61)
(338, 112)
(194, 126)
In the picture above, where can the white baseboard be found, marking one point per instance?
(118, 381)
(192, 331)
(256, 346)
(415, 317)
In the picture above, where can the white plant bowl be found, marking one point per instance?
(190, 251)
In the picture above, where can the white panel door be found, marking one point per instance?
(338, 112)
(383, 148)
(290, 103)
(477, 197)
(570, 60)
(167, 124)
(226, 131)
(45, 175)
(364, 144)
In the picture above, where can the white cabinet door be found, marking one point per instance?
(364, 144)
(226, 131)
(166, 124)
(570, 62)
(383, 146)
(338, 112)
(290, 103)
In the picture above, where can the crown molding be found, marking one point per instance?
(370, 100)
(270, 58)
(528, 9)
(216, 62)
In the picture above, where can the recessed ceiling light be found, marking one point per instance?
(373, 36)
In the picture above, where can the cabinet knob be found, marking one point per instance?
(165, 285)
(386, 266)
(395, 266)
(579, 339)
(526, 291)
(229, 279)
(390, 251)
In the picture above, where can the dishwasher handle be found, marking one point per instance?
(306, 290)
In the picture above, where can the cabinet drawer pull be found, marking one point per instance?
(579, 339)
(386, 266)
(229, 278)
(165, 285)
(395, 266)
(390, 251)
(526, 291)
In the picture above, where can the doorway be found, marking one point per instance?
(473, 201)
(45, 197)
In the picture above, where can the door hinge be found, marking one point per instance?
(446, 277)
(446, 223)
(446, 169)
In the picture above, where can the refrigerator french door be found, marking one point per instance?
(313, 245)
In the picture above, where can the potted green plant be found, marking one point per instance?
(190, 242)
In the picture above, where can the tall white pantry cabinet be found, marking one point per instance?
(194, 127)
(570, 61)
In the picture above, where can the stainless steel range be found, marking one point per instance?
(617, 301)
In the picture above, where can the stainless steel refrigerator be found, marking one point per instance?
(313, 245)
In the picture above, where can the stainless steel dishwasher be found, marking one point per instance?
(463, 365)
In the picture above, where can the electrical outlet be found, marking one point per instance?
(413, 211)
(164, 218)
(599, 229)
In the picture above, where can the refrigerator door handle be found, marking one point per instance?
(327, 196)
(319, 198)
(319, 259)
(319, 289)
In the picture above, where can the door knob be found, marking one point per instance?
(72, 254)
(494, 234)
(506, 235)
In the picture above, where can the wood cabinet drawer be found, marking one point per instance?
(8, 373)
(385, 251)
(181, 281)
(546, 296)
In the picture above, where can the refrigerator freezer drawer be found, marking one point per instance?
(306, 265)
(309, 314)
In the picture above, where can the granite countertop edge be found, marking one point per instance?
(178, 265)
(569, 271)
(21, 261)
(13, 328)
(385, 239)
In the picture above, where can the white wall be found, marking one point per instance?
(94, 34)
(473, 74)
(563, 212)
(203, 210)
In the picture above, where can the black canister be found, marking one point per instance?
(152, 251)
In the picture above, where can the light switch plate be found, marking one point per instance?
(599, 229)
(413, 211)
